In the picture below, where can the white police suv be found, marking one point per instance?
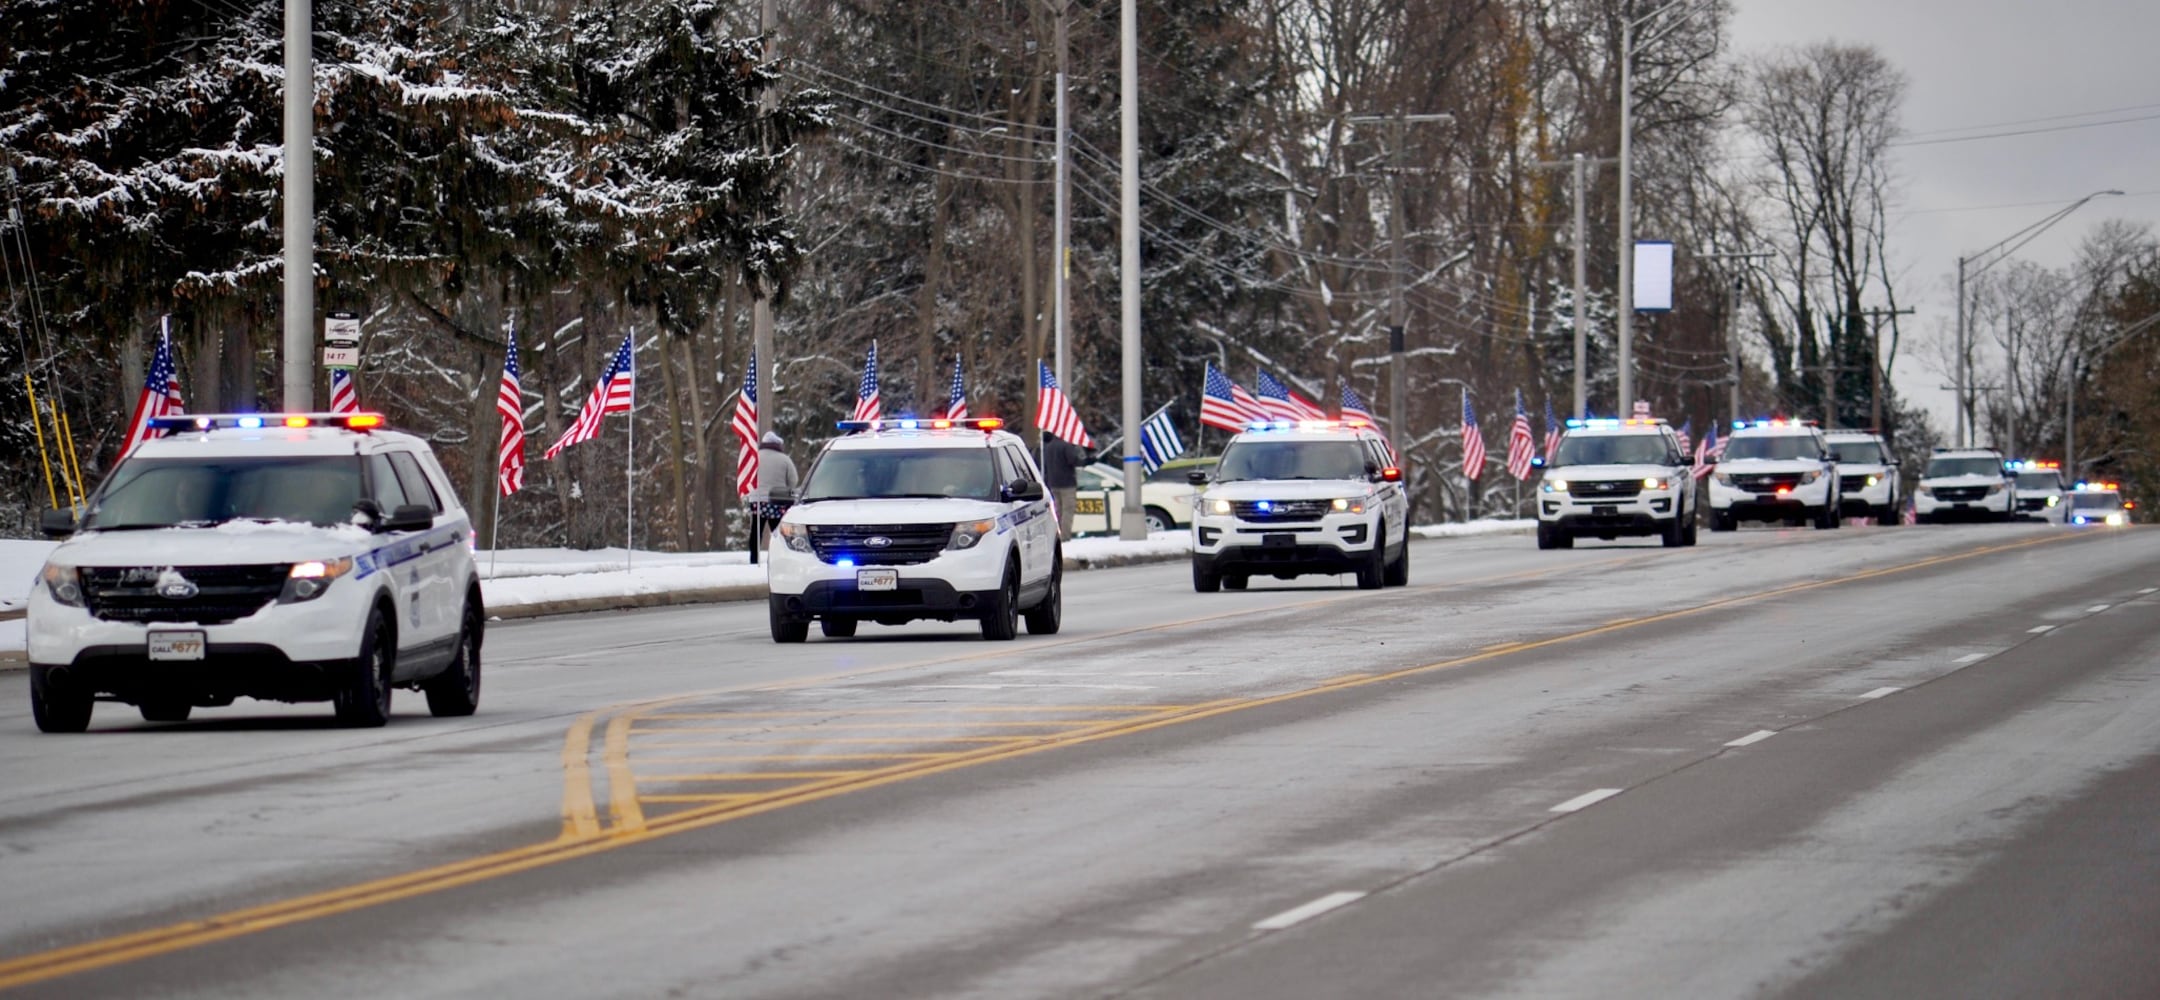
(1966, 482)
(1613, 477)
(1290, 498)
(2041, 493)
(906, 519)
(1775, 470)
(1867, 476)
(288, 557)
(2097, 503)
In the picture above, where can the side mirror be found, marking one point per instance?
(1391, 474)
(1197, 478)
(410, 517)
(58, 522)
(1023, 490)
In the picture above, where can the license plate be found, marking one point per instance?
(177, 645)
(1088, 505)
(1278, 541)
(877, 579)
(1605, 512)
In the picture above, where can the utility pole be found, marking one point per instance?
(1062, 231)
(1133, 524)
(1732, 319)
(299, 368)
(1399, 264)
(1875, 318)
(761, 318)
(1626, 320)
(1579, 165)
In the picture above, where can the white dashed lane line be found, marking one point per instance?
(2149, 590)
(2096, 609)
(1587, 799)
(1971, 658)
(1753, 738)
(1286, 918)
(1880, 692)
(2041, 629)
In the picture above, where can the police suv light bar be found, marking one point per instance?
(1741, 425)
(186, 422)
(1307, 425)
(923, 424)
(1575, 423)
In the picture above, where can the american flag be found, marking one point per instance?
(1687, 437)
(1473, 440)
(614, 393)
(510, 402)
(745, 425)
(343, 399)
(1054, 413)
(866, 394)
(1520, 447)
(956, 408)
(1224, 404)
(160, 395)
(1552, 432)
(1353, 405)
(1706, 452)
(1282, 403)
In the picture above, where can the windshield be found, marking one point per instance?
(859, 474)
(1944, 467)
(1613, 449)
(1782, 447)
(2039, 481)
(1292, 460)
(193, 492)
(2095, 501)
(1857, 452)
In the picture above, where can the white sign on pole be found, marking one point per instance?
(341, 327)
(1653, 276)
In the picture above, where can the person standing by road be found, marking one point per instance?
(1062, 460)
(776, 471)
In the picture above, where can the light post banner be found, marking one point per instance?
(1653, 276)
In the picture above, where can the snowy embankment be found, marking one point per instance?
(541, 581)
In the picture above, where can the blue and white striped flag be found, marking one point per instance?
(1159, 441)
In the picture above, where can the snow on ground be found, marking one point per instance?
(524, 577)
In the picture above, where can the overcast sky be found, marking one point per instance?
(2005, 63)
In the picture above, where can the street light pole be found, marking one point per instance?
(1063, 228)
(1625, 326)
(1579, 165)
(1398, 262)
(1133, 523)
(299, 368)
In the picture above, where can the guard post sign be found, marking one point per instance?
(341, 340)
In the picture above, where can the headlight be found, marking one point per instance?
(64, 583)
(308, 580)
(1354, 505)
(1556, 486)
(2117, 518)
(1653, 483)
(1721, 479)
(795, 536)
(1218, 506)
(1810, 476)
(2052, 501)
(967, 533)
(1925, 491)
(1872, 480)
(1997, 488)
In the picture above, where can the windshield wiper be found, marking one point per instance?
(818, 499)
(148, 525)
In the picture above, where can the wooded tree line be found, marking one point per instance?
(582, 170)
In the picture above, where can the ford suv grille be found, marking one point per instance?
(210, 595)
(1960, 494)
(880, 544)
(1852, 484)
(1605, 489)
(1279, 511)
(1766, 482)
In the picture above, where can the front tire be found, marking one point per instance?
(1886, 515)
(364, 701)
(1204, 578)
(455, 692)
(1671, 537)
(1398, 572)
(784, 629)
(1372, 574)
(1828, 518)
(1001, 620)
(57, 704)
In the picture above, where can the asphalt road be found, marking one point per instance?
(1870, 762)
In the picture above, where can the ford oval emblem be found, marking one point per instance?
(179, 588)
(877, 541)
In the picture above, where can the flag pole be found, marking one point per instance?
(630, 462)
(495, 519)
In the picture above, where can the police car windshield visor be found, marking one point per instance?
(1776, 447)
(1263, 459)
(165, 493)
(1943, 467)
(1612, 449)
(2039, 481)
(1857, 453)
(2095, 501)
(872, 474)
